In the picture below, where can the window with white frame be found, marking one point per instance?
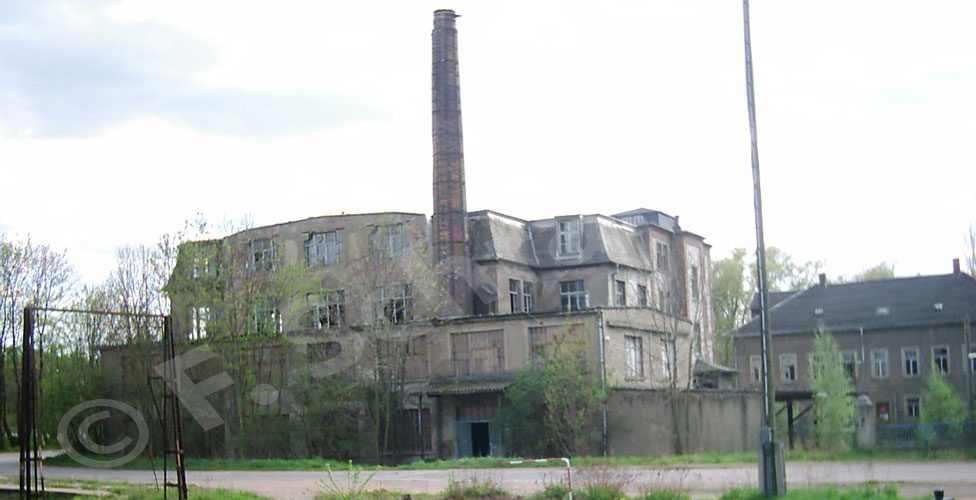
(635, 356)
(641, 295)
(323, 249)
(199, 318)
(879, 363)
(568, 237)
(326, 310)
(262, 255)
(755, 368)
(619, 293)
(909, 361)
(787, 367)
(940, 358)
(515, 295)
(528, 302)
(203, 267)
(391, 240)
(913, 406)
(395, 304)
(572, 295)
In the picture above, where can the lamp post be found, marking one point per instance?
(772, 480)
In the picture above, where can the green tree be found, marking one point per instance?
(833, 406)
(784, 274)
(882, 271)
(731, 300)
(940, 402)
(566, 392)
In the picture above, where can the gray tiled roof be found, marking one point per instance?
(533, 243)
(891, 303)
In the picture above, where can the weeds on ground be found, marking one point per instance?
(664, 495)
(352, 488)
(603, 482)
(866, 492)
(552, 492)
(467, 489)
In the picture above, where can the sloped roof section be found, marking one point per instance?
(900, 302)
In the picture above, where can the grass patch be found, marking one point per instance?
(867, 492)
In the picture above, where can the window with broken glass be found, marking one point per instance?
(323, 249)
(635, 356)
(395, 304)
(619, 293)
(528, 302)
(326, 310)
(265, 317)
(199, 318)
(262, 255)
(641, 295)
(515, 295)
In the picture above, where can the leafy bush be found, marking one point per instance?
(473, 488)
(352, 488)
(833, 408)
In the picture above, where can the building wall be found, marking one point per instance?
(891, 389)
(641, 422)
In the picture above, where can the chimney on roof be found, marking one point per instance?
(823, 279)
(449, 220)
(955, 266)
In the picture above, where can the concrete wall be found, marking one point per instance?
(641, 422)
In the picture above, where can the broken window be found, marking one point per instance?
(693, 276)
(323, 249)
(572, 295)
(396, 304)
(262, 255)
(667, 359)
(569, 237)
(326, 310)
(478, 353)
(641, 295)
(265, 317)
(850, 364)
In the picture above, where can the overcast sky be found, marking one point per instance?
(119, 120)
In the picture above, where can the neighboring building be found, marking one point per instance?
(891, 333)
(465, 298)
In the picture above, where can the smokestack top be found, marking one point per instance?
(444, 17)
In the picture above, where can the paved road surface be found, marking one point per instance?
(702, 481)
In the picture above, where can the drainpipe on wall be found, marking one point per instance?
(603, 378)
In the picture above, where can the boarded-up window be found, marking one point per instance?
(416, 357)
(475, 353)
(565, 338)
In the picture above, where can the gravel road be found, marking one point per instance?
(702, 481)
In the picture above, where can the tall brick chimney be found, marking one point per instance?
(449, 220)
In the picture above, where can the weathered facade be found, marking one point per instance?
(467, 296)
(891, 334)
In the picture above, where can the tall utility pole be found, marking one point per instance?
(772, 477)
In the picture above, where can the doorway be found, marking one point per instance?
(480, 439)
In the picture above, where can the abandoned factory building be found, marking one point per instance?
(465, 297)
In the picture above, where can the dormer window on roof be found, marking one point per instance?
(818, 311)
(883, 311)
(568, 237)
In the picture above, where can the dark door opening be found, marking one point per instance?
(480, 439)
